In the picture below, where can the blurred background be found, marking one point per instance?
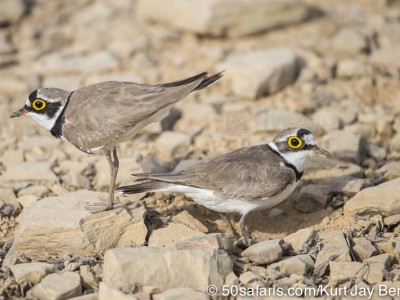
(329, 66)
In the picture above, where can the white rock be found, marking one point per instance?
(32, 272)
(224, 17)
(35, 190)
(265, 252)
(55, 286)
(30, 171)
(56, 224)
(126, 266)
(27, 199)
(181, 293)
(11, 11)
(257, 73)
(172, 144)
(8, 196)
(348, 69)
(383, 199)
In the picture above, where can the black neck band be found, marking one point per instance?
(287, 164)
(57, 128)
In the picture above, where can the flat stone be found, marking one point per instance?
(174, 269)
(265, 252)
(301, 239)
(389, 171)
(26, 200)
(300, 264)
(346, 185)
(277, 120)
(318, 168)
(312, 197)
(382, 199)
(342, 272)
(258, 73)
(187, 219)
(35, 190)
(30, 171)
(11, 11)
(32, 272)
(345, 146)
(181, 293)
(334, 248)
(221, 241)
(348, 41)
(171, 235)
(225, 17)
(55, 286)
(363, 248)
(386, 57)
(62, 224)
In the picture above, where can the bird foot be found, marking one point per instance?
(99, 207)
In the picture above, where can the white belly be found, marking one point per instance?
(231, 205)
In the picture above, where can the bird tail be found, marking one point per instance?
(143, 186)
(205, 82)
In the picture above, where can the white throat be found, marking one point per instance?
(295, 158)
(44, 120)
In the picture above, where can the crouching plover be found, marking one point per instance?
(102, 115)
(240, 181)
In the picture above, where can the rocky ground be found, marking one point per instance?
(332, 67)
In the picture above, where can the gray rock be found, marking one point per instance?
(75, 180)
(265, 252)
(30, 171)
(346, 185)
(334, 248)
(312, 197)
(55, 286)
(348, 41)
(181, 293)
(345, 146)
(32, 272)
(172, 144)
(11, 11)
(376, 267)
(262, 72)
(57, 224)
(126, 266)
(347, 69)
(383, 199)
(363, 248)
(300, 264)
(301, 239)
(225, 17)
(221, 241)
(342, 272)
(318, 168)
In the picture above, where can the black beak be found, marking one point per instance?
(19, 113)
(319, 150)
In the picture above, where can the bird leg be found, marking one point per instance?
(112, 158)
(243, 228)
(228, 221)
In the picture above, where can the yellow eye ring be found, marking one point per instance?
(294, 142)
(39, 104)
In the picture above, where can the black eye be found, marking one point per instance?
(38, 104)
(294, 142)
